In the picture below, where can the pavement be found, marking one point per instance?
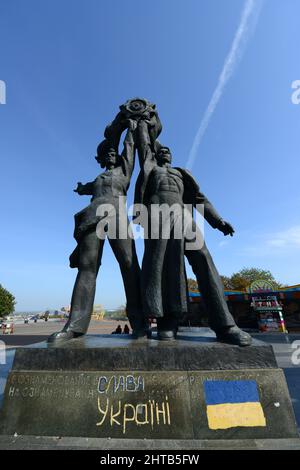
(284, 348)
(26, 334)
(127, 445)
(31, 333)
(283, 344)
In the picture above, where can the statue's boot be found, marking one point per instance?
(140, 328)
(234, 335)
(62, 336)
(138, 333)
(165, 335)
(166, 328)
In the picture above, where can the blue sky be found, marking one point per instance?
(67, 66)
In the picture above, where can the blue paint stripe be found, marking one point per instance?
(231, 391)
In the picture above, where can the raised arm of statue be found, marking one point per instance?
(128, 153)
(146, 155)
(147, 160)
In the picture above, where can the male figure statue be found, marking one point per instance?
(163, 273)
(107, 188)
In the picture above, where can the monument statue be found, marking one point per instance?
(195, 389)
(109, 188)
(164, 289)
(159, 290)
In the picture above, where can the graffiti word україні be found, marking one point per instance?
(151, 413)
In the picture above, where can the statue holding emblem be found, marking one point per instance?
(159, 289)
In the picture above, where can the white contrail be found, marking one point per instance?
(249, 18)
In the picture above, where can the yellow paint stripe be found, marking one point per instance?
(231, 415)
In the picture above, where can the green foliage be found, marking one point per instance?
(7, 302)
(226, 281)
(243, 278)
(119, 314)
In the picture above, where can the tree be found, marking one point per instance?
(243, 278)
(226, 281)
(118, 314)
(7, 302)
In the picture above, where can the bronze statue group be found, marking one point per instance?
(159, 288)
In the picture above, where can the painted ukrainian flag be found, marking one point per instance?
(233, 403)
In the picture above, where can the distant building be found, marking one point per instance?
(98, 312)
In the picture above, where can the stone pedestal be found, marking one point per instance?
(113, 387)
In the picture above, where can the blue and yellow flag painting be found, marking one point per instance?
(233, 403)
